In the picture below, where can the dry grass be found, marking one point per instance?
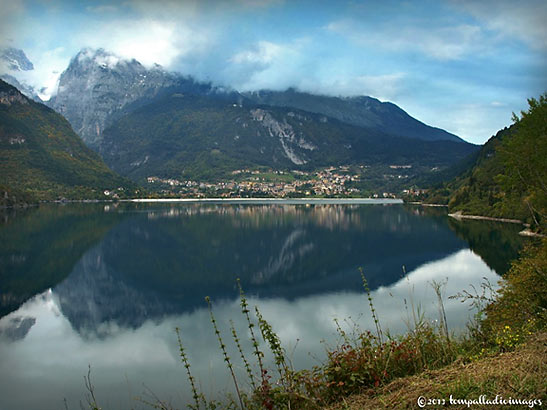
(520, 374)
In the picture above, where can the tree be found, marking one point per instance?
(524, 156)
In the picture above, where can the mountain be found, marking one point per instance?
(149, 122)
(362, 111)
(15, 59)
(196, 137)
(98, 87)
(58, 235)
(41, 156)
(13, 62)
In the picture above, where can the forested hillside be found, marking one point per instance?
(41, 158)
(195, 137)
(508, 177)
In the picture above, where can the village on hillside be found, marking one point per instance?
(339, 181)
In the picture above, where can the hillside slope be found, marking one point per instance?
(188, 136)
(507, 177)
(42, 158)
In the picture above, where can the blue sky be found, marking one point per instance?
(462, 65)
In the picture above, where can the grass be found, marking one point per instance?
(517, 374)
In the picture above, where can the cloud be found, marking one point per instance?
(475, 122)
(265, 65)
(168, 10)
(11, 11)
(261, 54)
(384, 87)
(440, 43)
(148, 41)
(47, 67)
(276, 66)
(522, 20)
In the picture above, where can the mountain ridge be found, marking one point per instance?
(99, 87)
(196, 137)
(362, 111)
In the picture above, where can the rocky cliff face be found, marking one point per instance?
(98, 86)
(286, 135)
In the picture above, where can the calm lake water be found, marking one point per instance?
(106, 284)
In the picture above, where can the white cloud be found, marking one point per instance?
(11, 10)
(276, 66)
(48, 66)
(441, 43)
(450, 43)
(523, 20)
(263, 53)
(384, 87)
(168, 10)
(260, 3)
(266, 65)
(148, 41)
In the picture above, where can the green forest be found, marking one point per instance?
(508, 176)
(41, 158)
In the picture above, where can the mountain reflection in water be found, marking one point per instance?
(166, 261)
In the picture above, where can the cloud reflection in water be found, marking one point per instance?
(52, 358)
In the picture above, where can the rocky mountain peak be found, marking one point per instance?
(89, 59)
(13, 64)
(15, 59)
(98, 85)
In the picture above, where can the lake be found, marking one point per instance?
(105, 285)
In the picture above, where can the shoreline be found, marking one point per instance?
(459, 215)
(271, 200)
(430, 205)
(525, 232)
(356, 201)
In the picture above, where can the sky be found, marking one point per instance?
(461, 65)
